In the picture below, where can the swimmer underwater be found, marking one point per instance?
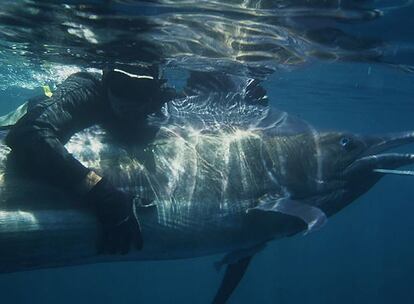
(119, 101)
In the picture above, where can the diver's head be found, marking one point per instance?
(135, 92)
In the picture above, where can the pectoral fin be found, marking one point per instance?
(314, 217)
(232, 277)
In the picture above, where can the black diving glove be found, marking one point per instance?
(114, 209)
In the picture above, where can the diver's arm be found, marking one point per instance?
(37, 140)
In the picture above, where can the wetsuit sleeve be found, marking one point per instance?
(38, 138)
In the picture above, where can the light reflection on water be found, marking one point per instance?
(252, 38)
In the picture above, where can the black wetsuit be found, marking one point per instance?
(38, 138)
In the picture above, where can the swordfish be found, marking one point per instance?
(222, 175)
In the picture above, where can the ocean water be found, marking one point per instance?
(340, 65)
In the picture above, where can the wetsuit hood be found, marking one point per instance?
(135, 91)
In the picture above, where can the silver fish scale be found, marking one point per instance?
(199, 177)
(201, 181)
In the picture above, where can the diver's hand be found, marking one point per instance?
(114, 209)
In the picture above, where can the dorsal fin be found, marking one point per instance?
(202, 83)
(218, 102)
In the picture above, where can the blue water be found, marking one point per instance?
(365, 254)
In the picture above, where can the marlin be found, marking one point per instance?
(222, 175)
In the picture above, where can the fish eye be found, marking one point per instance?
(345, 142)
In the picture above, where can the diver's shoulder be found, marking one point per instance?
(81, 81)
(80, 85)
(85, 77)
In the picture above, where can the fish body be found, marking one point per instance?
(200, 186)
(210, 182)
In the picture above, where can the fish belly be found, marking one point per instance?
(64, 237)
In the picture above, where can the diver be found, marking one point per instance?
(120, 101)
